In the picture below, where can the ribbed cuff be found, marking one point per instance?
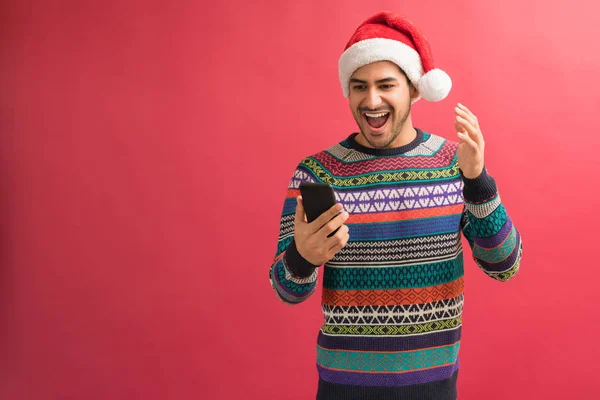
(439, 390)
(479, 189)
(297, 264)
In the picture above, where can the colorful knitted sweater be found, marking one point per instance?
(393, 296)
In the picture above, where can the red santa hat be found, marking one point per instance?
(388, 36)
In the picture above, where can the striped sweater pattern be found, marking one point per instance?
(392, 298)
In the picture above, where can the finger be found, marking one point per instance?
(464, 138)
(458, 127)
(470, 129)
(300, 215)
(339, 235)
(334, 238)
(339, 242)
(469, 117)
(335, 223)
(463, 107)
(326, 216)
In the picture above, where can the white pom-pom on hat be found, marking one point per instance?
(434, 85)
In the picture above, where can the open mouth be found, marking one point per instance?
(377, 120)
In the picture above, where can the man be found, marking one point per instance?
(393, 272)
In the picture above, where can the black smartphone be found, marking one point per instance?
(317, 198)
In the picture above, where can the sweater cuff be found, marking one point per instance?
(297, 264)
(479, 189)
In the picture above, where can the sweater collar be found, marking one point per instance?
(390, 151)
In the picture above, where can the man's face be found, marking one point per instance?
(380, 100)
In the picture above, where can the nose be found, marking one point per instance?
(373, 99)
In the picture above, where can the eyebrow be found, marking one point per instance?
(384, 80)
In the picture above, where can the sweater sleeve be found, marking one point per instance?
(292, 277)
(492, 236)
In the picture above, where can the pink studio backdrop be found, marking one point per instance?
(145, 152)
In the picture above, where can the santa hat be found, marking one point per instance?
(388, 36)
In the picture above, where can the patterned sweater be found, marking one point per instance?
(393, 296)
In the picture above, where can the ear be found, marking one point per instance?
(414, 92)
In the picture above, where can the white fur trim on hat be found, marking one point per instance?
(435, 87)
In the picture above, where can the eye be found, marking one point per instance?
(359, 87)
(386, 87)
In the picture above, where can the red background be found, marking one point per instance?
(145, 152)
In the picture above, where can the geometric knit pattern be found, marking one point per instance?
(391, 329)
(398, 252)
(397, 314)
(393, 297)
(493, 223)
(388, 362)
(410, 276)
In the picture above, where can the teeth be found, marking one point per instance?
(383, 114)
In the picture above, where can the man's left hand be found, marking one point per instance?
(471, 143)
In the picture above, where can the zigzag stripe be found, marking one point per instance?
(379, 262)
(395, 330)
(393, 297)
(390, 244)
(393, 255)
(394, 249)
(286, 225)
(341, 168)
(350, 249)
(433, 249)
(438, 246)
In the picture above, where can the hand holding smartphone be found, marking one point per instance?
(318, 203)
(317, 198)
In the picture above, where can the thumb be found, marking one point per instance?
(300, 216)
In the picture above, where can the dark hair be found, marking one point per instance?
(404, 73)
